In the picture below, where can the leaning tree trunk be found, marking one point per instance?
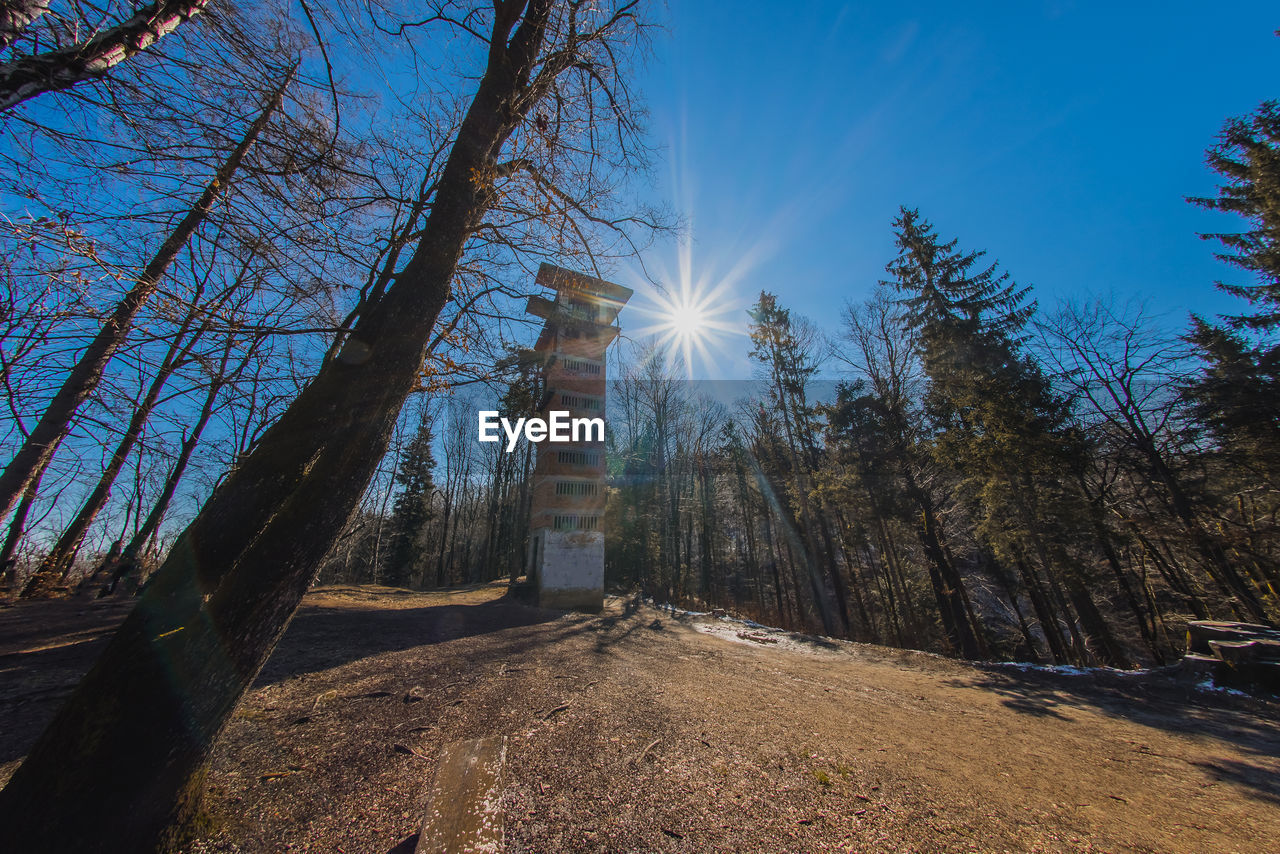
(57, 563)
(1216, 563)
(123, 762)
(64, 67)
(85, 376)
(946, 581)
(18, 526)
(128, 562)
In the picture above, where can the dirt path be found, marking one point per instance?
(642, 730)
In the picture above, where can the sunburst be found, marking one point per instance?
(694, 318)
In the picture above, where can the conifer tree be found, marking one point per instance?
(1238, 396)
(1000, 425)
(412, 509)
(788, 365)
(1247, 155)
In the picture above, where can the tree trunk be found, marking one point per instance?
(1146, 623)
(1097, 640)
(775, 570)
(57, 563)
(129, 558)
(890, 551)
(121, 765)
(1211, 551)
(65, 67)
(447, 495)
(17, 525)
(1106, 646)
(946, 582)
(1172, 574)
(84, 377)
(1044, 613)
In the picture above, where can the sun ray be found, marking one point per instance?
(692, 319)
(696, 315)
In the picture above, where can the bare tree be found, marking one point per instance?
(84, 377)
(1130, 377)
(121, 765)
(16, 16)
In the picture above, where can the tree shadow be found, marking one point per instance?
(1262, 781)
(323, 637)
(1155, 699)
(47, 647)
(605, 626)
(27, 627)
(408, 845)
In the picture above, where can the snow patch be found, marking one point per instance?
(1207, 685)
(751, 636)
(1064, 669)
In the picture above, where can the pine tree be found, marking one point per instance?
(1248, 156)
(1237, 394)
(412, 509)
(1238, 397)
(788, 364)
(999, 424)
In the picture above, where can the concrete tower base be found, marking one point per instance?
(568, 569)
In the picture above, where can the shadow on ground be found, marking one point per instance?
(46, 647)
(323, 637)
(1155, 699)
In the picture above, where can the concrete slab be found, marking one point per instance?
(464, 810)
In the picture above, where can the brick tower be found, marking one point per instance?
(566, 529)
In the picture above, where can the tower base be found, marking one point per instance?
(566, 569)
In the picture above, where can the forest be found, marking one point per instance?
(988, 479)
(262, 262)
(957, 468)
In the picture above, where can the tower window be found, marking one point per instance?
(578, 458)
(577, 488)
(576, 523)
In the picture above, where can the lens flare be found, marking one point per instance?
(693, 318)
(691, 322)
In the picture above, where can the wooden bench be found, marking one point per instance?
(1242, 655)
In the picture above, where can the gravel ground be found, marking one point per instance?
(650, 730)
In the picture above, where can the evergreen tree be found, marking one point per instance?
(781, 346)
(1237, 394)
(1238, 397)
(1248, 157)
(998, 422)
(412, 509)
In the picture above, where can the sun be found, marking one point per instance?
(690, 320)
(687, 323)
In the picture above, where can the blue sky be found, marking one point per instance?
(1060, 136)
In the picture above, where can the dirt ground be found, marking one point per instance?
(645, 730)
